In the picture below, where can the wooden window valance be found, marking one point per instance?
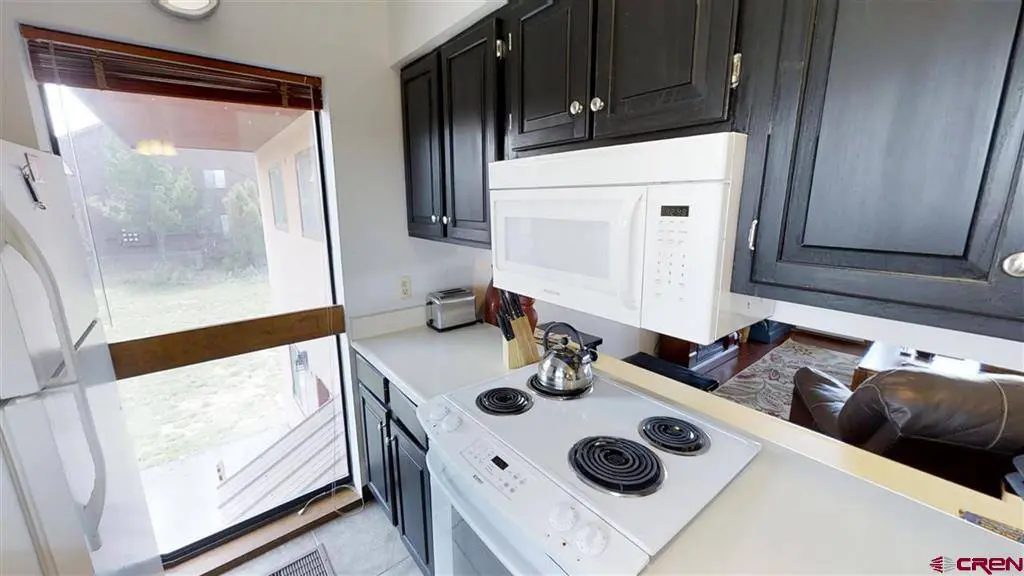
(86, 62)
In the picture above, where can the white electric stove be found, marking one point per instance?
(526, 482)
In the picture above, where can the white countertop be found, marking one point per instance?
(787, 514)
(424, 363)
(806, 504)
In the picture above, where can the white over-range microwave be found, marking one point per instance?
(642, 234)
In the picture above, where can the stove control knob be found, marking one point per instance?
(451, 423)
(563, 517)
(592, 539)
(437, 412)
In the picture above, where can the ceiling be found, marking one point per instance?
(186, 123)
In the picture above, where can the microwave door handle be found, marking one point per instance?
(16, 236)
(635, 263)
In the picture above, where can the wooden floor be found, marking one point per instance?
(751, 352)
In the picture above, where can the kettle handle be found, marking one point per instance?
(575, 332)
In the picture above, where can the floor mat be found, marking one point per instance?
(767, 385)
(312, 563)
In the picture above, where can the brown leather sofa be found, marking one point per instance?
(964, 429)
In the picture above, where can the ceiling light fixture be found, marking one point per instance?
(188, 9)
(155, 148)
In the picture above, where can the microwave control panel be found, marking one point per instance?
(672, 231)
(682, 249)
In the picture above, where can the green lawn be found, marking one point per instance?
(180, 412)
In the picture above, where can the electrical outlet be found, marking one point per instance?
(406, 286)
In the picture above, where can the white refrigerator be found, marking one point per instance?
(71, 498)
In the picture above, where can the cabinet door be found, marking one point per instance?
(421, 131)
(470, 97)
(893, 165)
(413, 487)
(661, 64)
(378, 455)
(549, 69)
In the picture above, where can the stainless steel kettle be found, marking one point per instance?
(563, 370)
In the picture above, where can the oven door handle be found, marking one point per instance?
(485, 530)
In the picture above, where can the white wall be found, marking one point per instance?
(417, 26)
(296, 265)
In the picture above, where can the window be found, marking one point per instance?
(175, 246)
(277, 198)
(300, 365)
(310, 204)
(214, 179)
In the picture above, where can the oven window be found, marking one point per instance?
(560, 245)
(470, 555)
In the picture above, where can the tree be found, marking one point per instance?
(145, 194)
(245, 227)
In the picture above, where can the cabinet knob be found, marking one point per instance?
(575, 108)
(1014, 265)
(444, 219)
(380, 426)
(596, 105)
(433, 218)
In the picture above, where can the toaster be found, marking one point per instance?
(447, 309)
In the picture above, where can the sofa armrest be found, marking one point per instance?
(824, 397)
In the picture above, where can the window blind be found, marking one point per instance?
(86, 62)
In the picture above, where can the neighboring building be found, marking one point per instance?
(291, 203)
(213, 173)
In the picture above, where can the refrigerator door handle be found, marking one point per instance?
(92, 511)
(15, 235)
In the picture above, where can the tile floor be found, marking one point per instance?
(362, 543)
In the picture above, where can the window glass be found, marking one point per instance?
(277, 197)
(310, 198)
(181, 204)
(214, 179)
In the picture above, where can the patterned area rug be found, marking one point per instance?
(767, 385)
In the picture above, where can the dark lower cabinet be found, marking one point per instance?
(661, 64)
(470, 110)
(396, 472)
(548, 70)
(378, 453)
(413, 488)
(892, 178)
(421, 131)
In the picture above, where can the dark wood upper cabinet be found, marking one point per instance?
(421, 130)
(661, 64)
(548, 69)
(413, 488)
(378, 452)
(470, 127)
(893, 167)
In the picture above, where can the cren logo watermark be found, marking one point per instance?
(942, 564)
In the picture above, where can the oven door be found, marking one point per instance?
(581, 248)
(467, 537)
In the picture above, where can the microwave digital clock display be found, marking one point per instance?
(675, 211)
